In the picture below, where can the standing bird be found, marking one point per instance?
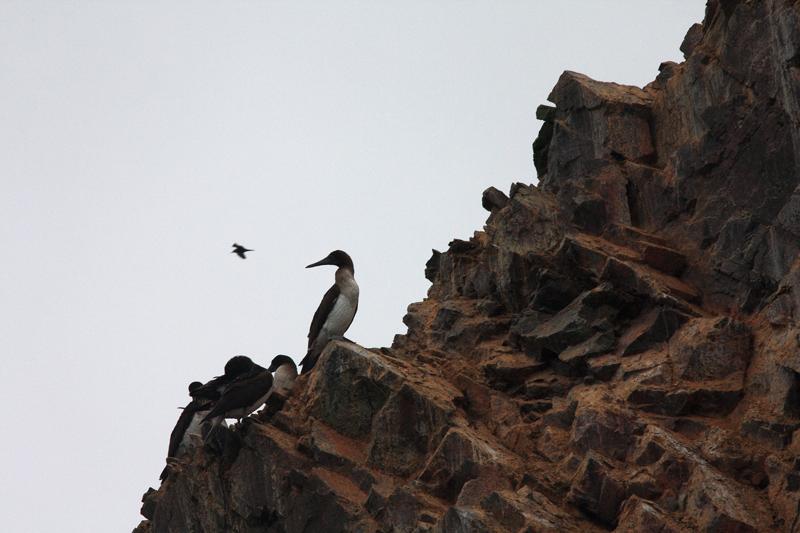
(284, 373)
(187, 428)
(240, 250)
(242, 397)
(337, 309)
(236, 367)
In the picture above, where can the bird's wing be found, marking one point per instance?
(210, 391)
(324, 309)
(181, 426)
(241, 393)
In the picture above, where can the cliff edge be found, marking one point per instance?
(618, 349)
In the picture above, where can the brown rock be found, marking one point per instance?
(494, 199)
(407, 427)
(510, 369)
(596, 492)
(699, 401)
(464, 520)
(352, 385)
(641, 515)
(692, 39)
(664, 259)
(607, 432)
(718, 348)
(460, 457)
(526, 509)
(655, 327)
(587, 315)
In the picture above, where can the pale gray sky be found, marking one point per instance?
(139, 139)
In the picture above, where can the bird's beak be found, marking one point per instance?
(326, 261)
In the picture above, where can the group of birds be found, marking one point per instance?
(245, 385)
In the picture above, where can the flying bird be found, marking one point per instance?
(284, 373)
(336, 310)
(240, 250)
(242, 397)
(188, 429)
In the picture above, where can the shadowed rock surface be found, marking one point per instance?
(618, 349)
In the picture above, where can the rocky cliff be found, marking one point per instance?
(618, 349)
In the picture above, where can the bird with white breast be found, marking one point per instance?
(336, 310)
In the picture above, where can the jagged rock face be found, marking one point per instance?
(706, 155)
(619, 349)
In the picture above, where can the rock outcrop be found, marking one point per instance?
(618, 349)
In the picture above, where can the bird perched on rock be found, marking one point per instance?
(337, 309)
(242, 397)
(188, 429)
(236, 367)
(284, 373)
(240, 250)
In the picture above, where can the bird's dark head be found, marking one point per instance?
(337, 258)
(238, 365)
(280, 360)
(193, 386)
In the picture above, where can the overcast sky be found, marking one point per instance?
(140, 139)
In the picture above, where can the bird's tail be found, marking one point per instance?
(309, 360)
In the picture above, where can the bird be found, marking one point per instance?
(237, 366)
(187, 428)
(284, 373)
(240, 250)
(242, 397)
(336, 310)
